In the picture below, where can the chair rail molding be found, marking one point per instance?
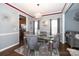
(5, 34)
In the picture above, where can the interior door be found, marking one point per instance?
(22, 25)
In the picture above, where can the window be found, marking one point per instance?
(35, 27)
(54, 26)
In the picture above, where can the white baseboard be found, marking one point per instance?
(9, 47)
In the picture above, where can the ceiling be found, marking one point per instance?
(42, 8)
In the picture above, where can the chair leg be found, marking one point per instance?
(26, 51)
(56, 52)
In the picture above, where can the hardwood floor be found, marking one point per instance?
(11, 52)
(63, 50)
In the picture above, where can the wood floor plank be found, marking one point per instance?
(11, 52)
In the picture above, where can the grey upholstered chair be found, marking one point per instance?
(56, 44)
(71, 39)
(32, 43)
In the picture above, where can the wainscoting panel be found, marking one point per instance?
(8, 39)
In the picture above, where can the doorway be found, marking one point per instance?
(22, 28)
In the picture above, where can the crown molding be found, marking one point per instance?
(52, 14)
(33, 16)
(63, 7)
(18, 9)
(69, 7)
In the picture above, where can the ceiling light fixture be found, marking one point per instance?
(38, 14)
(38, 4)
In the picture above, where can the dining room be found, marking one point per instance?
(43, 35)
(43, 31)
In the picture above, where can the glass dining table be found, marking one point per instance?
(49, 42)
(45, 49)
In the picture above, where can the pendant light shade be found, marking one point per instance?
(38, 15)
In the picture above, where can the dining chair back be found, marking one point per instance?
(32, 41)
(56, 44)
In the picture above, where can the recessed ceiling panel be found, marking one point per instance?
(43, 8)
